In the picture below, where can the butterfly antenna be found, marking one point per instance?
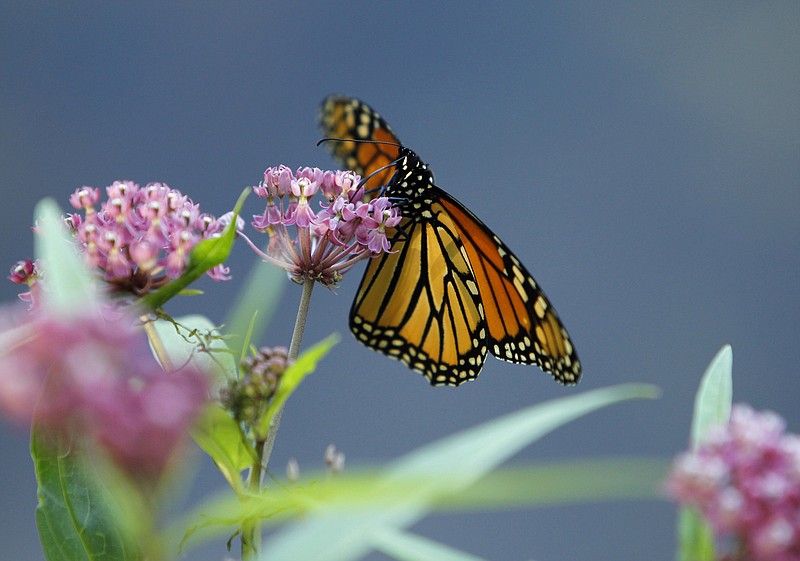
(364, 180)
(361, 140)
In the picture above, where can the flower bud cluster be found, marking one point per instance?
(261, 374)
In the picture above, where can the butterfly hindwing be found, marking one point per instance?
(349, 118)
(523, 326)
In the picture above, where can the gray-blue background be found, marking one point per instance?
(642, 159)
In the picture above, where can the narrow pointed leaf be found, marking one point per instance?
(406, 546)
(205, 255)
(305, 364)
(525, 485)
(712, 406)
(69, 284)
(465, 456)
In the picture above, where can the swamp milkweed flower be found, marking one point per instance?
(140, 238)
(745, 479)
(330, 238)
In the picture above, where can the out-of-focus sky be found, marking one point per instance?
(642, 159)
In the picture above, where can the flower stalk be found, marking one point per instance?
(251, 531)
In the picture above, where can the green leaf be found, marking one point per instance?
(205, 255)
(521, 485)
(219, 435)
(360, 490)
(75, 516)
(224, 514)
(363, 497)
(305, 364)
(216, 432)
(459, 461)
(411, 547)
(195, 340)
(562, 482)
(712, 406)
(70, 289)
(695, 537)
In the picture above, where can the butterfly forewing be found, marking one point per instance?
(350, 118)
(433, 325)
(434, 320)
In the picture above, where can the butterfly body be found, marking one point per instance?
(450, 291)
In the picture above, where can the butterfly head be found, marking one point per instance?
(410, 169)
(408, 159)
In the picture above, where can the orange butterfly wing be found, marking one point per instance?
(420, 304)
(351, 119)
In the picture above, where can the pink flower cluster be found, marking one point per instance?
(330, 238)
(745, 479)
(141, 237)
(95, 377)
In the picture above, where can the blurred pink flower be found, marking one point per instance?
(96, 375)
(745, 479)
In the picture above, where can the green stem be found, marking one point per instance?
(294, 350)
(251, 531)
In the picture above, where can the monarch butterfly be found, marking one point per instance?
(451, 291)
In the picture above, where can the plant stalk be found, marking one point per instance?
(294, 351)
(251, 531)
